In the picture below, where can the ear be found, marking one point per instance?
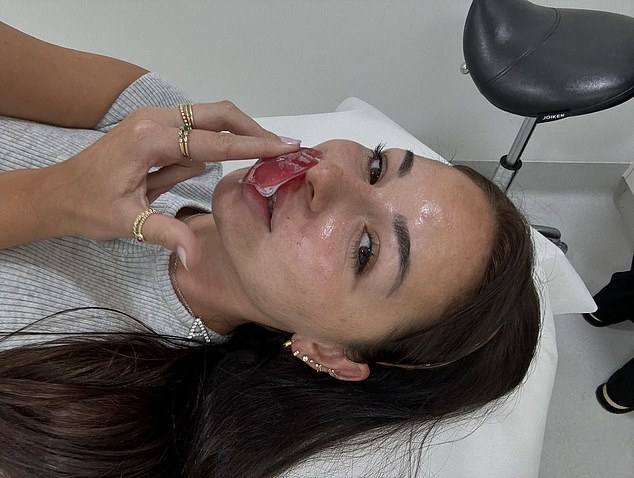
(329, 357)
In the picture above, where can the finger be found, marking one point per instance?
(161, 181)
(221, 116)
(174, 235)
(167, 177)
(225, 116)
(209, 146)
(153, 194)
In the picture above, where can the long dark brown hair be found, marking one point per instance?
(140, 405)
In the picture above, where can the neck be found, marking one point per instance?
(211, 289)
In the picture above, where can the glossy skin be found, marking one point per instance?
(300, 273)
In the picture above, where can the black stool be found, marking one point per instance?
(546, 64)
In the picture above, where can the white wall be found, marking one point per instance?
(278, 57)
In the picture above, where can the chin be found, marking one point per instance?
(228, 205)
(225, 191)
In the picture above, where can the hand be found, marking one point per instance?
(107, 185)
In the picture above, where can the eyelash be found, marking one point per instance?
(355, 254)
(377, 155)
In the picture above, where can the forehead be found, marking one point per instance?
(436, 198)
(450, 223)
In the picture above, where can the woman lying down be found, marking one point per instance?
(333, 290)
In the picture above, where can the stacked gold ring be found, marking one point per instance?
(183, 140)
(137, 227)
(187, 113)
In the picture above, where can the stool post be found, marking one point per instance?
(510, 163)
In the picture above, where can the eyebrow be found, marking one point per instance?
(406, 165)
(401, 232)
(403, 240)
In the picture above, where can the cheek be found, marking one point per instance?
(297, 276)
(328, 229)
(309, 260)
(315, 251)
(295, 286)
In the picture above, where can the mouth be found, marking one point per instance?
(270, 202)
(263, 208)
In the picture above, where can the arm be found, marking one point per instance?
(23, 210)
(50, 84)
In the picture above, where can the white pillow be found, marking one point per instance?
(568, 294)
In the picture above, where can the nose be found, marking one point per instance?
(325, 182)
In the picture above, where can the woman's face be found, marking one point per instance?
(363, 246)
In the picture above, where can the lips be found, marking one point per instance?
(258, 204)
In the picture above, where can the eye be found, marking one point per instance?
(376, 164)
(364, 249)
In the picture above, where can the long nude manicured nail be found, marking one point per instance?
(182, 256)
(287, 140)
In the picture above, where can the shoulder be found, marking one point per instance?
(148, 90)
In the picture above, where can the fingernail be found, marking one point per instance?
(286, 140)
(182, 256)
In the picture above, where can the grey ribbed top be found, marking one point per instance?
(54, 275)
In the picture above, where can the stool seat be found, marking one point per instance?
(546, 62)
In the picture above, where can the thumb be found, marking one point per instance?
(175, 235)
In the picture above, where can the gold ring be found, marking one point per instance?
(137, 227)
(187, 114)
(183, 140)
